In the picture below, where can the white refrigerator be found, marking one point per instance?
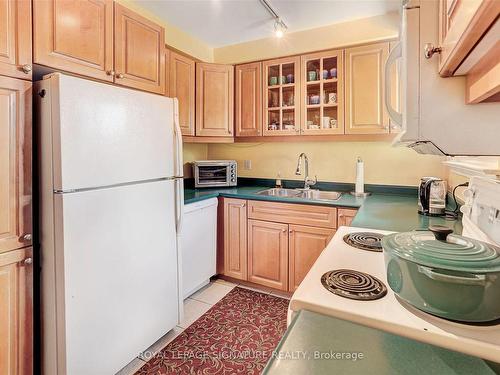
(111, 198)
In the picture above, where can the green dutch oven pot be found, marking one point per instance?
(444, 274)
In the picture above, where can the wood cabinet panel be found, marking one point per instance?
(235, 238)
(214, 100)
(318, 216)
(364, 89)
(75, 36)
(16, 325)
(345, 217)
(15, 38)
(306, 244)
(268, 254)
(139, 51)
(15, 164)
(248, 111)
(182, 87)
(462, 24)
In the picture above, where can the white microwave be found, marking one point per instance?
(215, 173)
(434, 118)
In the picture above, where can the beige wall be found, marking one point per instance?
(174, 36)
(333, 161)
(193, 151)
(364, 30)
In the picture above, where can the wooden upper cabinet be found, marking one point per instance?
(139, 51)
(248, 112)
(75, 36)
(281, 82)
(322, 93)
(364, 89)
(182, 86)
(214, 100)
(268, 254)
(306, 244)
(15, 164)
(16, 314)
(235, 238)
(462, 23)
(15, 38)
(345, 217)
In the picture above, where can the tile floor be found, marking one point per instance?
(194, 307)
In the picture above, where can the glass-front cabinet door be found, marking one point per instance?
(281, 82)
(322, 92)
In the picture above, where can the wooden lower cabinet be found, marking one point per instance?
(266, 243)
(345, 216)
(235, 238)
(268, 254)
(306, 244)
(16, 325)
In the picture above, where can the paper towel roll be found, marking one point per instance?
(360, 177)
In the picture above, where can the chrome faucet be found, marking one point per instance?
(308, 182)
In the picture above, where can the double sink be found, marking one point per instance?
(302, 194)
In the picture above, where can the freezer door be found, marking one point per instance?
(117, 253)
(104, 135)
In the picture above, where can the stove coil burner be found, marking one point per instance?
(354, 285)
(365, 241)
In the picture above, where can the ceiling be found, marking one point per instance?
(224, 22)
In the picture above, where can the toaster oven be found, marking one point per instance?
(215, 173)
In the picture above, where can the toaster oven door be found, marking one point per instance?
(211, 175)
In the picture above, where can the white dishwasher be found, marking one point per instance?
(198, 245)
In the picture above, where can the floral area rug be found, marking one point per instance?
(236, 336)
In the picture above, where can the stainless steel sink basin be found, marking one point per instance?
(301, 193)
(320, 195)
(277, 192)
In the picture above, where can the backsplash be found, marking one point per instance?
(332, 161)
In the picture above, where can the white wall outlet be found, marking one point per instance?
(247, 164)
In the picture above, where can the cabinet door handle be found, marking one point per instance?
(119, 75)
(28, 261)
(26, 68)
(26, 237)
(283, 230)
(242, 205)
(290, 231)
(110, 73)
(430, 50)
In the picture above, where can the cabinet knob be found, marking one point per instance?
(242, 205)
(230, 132)
(430, 50)
(26, 237)
(28, 261)
(283, 230)
(341, 215)
(26, 68)
(110, 73)
(290, 231)
(119, 75)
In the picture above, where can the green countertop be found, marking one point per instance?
(315, 344)
(394, 212)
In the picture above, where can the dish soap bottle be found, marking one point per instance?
(278, 181)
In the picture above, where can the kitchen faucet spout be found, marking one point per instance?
(308, 182)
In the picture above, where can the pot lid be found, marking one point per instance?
(438, 248)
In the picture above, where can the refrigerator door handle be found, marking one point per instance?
(179, 181)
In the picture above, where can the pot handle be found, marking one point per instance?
(470, 279)
(440, 232)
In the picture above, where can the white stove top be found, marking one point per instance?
(387, 313)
